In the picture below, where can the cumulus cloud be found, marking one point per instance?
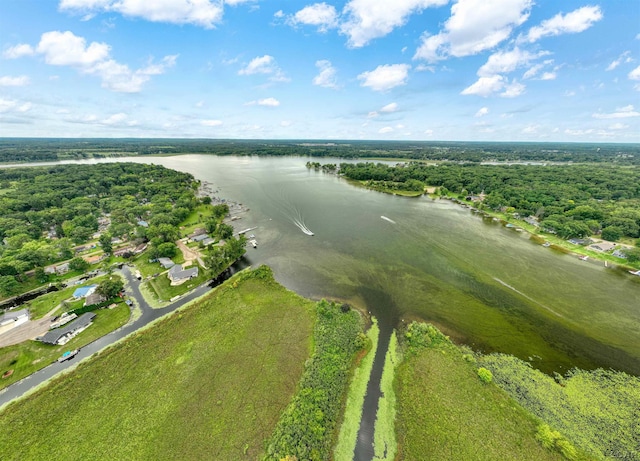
(507, 61)
(577, 21)
(67, 49)
(327, 76)
(624, 57)
(392, 107)
(621, 112)
(269, 102)
(487, 86)
(634, 74)
(115, 119)
(386, 129)
(385, 77)
(18, 51)
(320, 15)
(22, 80)
(265, 65)
(204, 13)
(548, 76)
(13, 106)
(210, 123)
(474, 26)
(367, 20)
(482, 112)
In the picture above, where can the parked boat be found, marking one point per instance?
(254, 243)
(68, 355)
(546, 244)
(584, 258)
(635, 273)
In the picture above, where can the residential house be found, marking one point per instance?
(62, 268)
(178, 275)
(83, 292)
(199, 237)
(66, 333)
(603, 246)
(166, 263)
(11, 319)
(620, 254)
(94, 298)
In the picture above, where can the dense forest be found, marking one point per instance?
(46, 212)
(42, 149)
(571, 200)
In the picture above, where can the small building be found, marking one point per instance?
(142, 223)
(140, 248)
(196, 232)
(178, 275)
(62, 269)
(83, 292)
(63, 335)
(208, 241)
(94, 298)
(11, 319)
(580, 241)
(50, 270)
(603, 246)
(128, 250)
(532, 220)
(166, 263)
(200, 237)
(95, 259)
(620, 254)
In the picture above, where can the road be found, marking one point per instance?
(148, 315)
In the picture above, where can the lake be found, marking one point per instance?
(486, 286)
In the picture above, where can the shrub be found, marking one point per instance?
(553, 440)
(485, 375)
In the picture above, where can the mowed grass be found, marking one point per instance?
(30, 356)
(446, 413)
(208, 382)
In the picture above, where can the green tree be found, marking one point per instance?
(611, 233)
(40, 275)
(167, 250)
(9, 285)
(78, 264)
(224, 231)
(105, 243)
(110, 287)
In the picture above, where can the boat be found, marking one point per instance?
(388, 219)
(254, 243)
(68, 355)
(584, 258)
(546, 244)
(635, 273)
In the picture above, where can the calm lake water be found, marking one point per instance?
(485, 285)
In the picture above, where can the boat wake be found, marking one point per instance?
(388, 219)
(291, 212)
(527, 297)
(301, 225)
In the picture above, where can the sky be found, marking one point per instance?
(442, 70)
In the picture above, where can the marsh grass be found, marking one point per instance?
(355, 399)
(208, 382)
(384, 437)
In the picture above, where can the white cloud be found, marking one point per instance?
(624, 57)
(507, 61)
(621, 112)
(482, 112)
(548, 76)
(513, 89)
(618, 126)
(278, 14)
(577, 21)
(474, 26)
(18, 51)
(204, 13)
(367, 20)
(634, 74)
(385, 77)
(321, 15)
(115, 119)
(327, 76)
(265, 65)
(269, 102)
(67, 49)
(486, 86)
(531, 129)
(13, 106)
(14, 81)
(386, 129)
(389, 108)
(285, 123)
(210, 123)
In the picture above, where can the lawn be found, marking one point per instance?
(161, 288)
(445, 412)
(208, 382)
(195, 219)
(30, 356)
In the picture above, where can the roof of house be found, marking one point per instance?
(208, 241)
(603, 246)
(198, 231)
(84, 291)
(14, 315)
(178, 273)
(143, 223)
(166, 262)
(199, 237)
(53, 336)
(94, 298)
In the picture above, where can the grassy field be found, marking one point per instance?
(30, 356)
(208, 382)
(384, 437)
(196, 219)
(161, 289)
(445, 412)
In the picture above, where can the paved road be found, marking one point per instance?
(148, 315)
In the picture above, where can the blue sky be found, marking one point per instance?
(495, 70)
